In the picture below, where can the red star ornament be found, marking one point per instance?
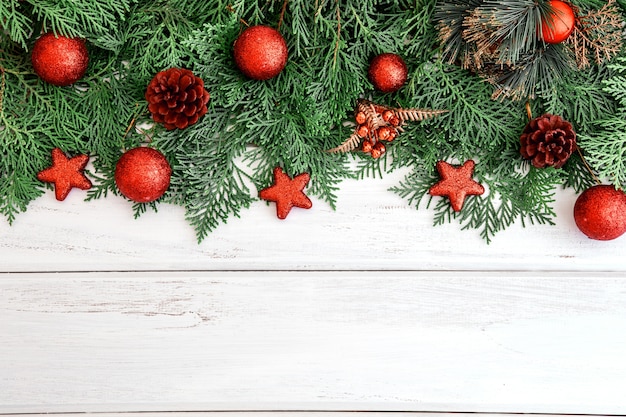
(287, 192)
(66, 173)
(456, 183)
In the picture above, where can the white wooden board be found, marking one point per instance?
(372, 229)
(365, 308)
(456, 342)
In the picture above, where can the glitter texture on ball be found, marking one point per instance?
(60, 61)
(142, 174)
(260, 52)
(600, 212)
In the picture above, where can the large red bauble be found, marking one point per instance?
(260, 52)
(387, 72)
(59, 60)
(600, 212)
(142, 174)
(560, 23)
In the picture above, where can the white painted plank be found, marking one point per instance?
(276, 413)
(456, 342)
(371, 229)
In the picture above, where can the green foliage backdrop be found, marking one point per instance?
(220, 163)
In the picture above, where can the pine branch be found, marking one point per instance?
(14, 22)
(598, 37)
(605, 149)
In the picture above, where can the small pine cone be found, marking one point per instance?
(548, 140)
(177, 98)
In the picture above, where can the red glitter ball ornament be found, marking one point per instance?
(600, 212)
(142, 174)
(59, 60)
(387, 72)
(260, 52)
(560, 23)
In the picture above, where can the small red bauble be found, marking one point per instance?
(600, 212)
(387, 72)
(560, 23)
(260, 52)
(59, 60)
(142, 174)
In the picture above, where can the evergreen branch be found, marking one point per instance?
(598, 36)
(605, 149)
(14, 22)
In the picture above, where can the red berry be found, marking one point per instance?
(260, 52)
(387, 72)
(59, 60)
(600, 212)
(560, 22)
(378, 150)
(386, 133)
(363, 131)
(367, 146)
(142, 174)
(360, 118)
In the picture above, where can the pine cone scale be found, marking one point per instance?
(177, 98)
(547, 141)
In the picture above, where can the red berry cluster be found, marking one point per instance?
(376, 124)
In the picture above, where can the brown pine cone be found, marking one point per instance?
(548, 140)
(177, 98)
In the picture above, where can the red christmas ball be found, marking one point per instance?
(387, 72)
(600, 212)
(59, 60)
(142, 174)
(260, 52)
(559, 24)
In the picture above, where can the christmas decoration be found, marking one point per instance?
(65, 173)
(260, 52)
(59, 60)
(600, 212)
(548, 141)
(142, 174)
(177, 98)
(597, 36)
(456, 183)
(559, 23)
(495, 40)
(482, 61)
(377, 124)
(387, 72)
(287, 192)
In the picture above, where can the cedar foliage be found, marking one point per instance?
(220, 163)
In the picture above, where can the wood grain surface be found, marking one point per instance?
(316, 341)
(371, 229)
(365, 308)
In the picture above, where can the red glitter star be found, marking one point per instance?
(65, 173)
(456, 183)
(287, 192)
